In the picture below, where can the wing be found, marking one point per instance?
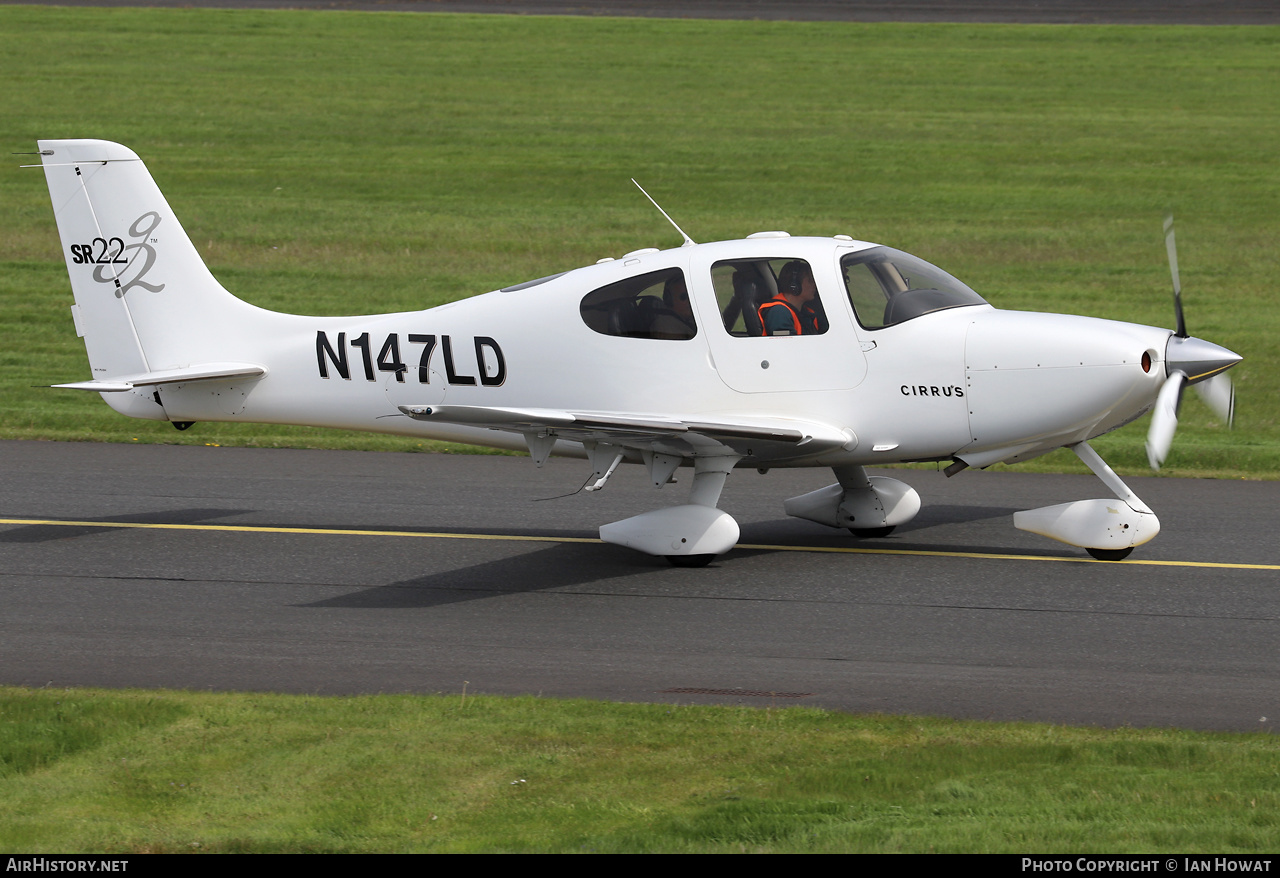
(765, 439)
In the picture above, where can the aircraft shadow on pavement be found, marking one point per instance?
(791, 530)
(578, 564)
(795, 534)
(46, 533)
(563, 564)
(941, 515)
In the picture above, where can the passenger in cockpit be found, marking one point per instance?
(676, 320)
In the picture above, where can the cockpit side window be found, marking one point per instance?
(887, 287)
(773, 297)
(654, 305)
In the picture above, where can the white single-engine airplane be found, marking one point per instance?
(771, 351)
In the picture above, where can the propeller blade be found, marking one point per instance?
(1164, 420)
(1171, 246)
(1219, 394)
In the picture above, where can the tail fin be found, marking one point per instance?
(145, 303)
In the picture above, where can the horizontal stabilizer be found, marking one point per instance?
(206, 372)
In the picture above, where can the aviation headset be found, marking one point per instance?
(791, 278)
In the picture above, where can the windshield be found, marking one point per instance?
(887, 287)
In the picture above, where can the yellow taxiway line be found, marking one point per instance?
(519, 538)
(929, 553)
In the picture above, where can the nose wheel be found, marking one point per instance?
(871, 533)
(690, 560)
(1106, 529)
(1110, 554)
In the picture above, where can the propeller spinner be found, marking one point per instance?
(1188, 361)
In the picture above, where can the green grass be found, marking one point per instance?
(117, 772)
(329, 163)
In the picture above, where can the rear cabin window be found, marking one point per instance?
(654, 305)
(768, 297)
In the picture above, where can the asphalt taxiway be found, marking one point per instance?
(344, 572)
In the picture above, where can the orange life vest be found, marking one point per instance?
(773, 303)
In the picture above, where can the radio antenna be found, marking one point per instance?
(688, 242)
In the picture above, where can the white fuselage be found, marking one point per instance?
(968, 382)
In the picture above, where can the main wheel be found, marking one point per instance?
(1110, 554)
(690, 560)
(871, 532)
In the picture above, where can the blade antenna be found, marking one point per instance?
(688, 242)
(1172, 248)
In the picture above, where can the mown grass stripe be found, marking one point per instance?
(529, 538)
(88, 771)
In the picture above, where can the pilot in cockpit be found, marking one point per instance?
(794, 310)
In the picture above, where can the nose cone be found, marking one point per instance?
(1052, 379)
(1197, 359)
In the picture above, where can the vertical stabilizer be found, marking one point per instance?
(144, 299)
